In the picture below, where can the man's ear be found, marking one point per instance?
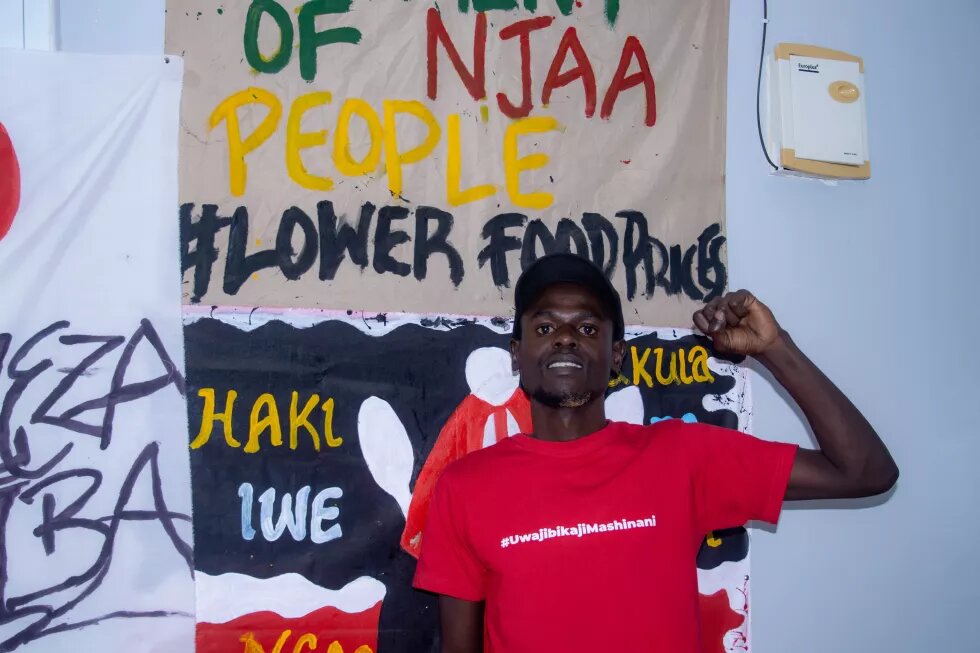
(619, 352)
(514, 344)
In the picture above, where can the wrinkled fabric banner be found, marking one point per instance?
(416, 156)
(94, 488)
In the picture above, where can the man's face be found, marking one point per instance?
(566, 351)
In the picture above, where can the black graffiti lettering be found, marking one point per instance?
(500, 242)
(681, 266)
(537, 233)
(294, 269)
(600, 230)
(201, 233)
(426, 244)
(121, 392)
(566, 233)
(687, 278)
(710, 243)
(334, 241)
(15, 454)
(386, 240)
(637, 250)
(696, 271)
(5, 340)
(67, 519)
(7, 495)
(33, 484)
(42, 416)
(239, 266)
(660, 254)
(51, 522)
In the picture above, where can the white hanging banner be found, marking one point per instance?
(95, 552)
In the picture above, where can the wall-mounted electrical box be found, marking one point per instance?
(817, 120)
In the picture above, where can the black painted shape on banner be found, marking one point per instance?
(728, 545)
(420, 373)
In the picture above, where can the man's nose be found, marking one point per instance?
(566, 336)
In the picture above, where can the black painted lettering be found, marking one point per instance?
(239, 266)
(201, 233)
(337, 237)
(637, 250)
(426, 245)
(710, 243)
(386, 240)
(495, 231)
(600, 231)
(292, 268)
(566, 233)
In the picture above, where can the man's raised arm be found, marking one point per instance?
(852, 460)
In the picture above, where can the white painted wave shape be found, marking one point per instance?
(226, 597)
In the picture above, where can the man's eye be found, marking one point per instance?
(543, 329)
(588, 330)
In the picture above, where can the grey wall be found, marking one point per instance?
(872, 279)
(111, 26)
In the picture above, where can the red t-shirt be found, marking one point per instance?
(590, 545)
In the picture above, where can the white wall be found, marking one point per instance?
(872, 280)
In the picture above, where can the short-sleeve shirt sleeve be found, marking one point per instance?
(447, 564)
(736, 477)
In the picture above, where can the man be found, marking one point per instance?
(509, 574)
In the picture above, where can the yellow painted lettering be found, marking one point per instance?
(639, 367)
(257, 425)
(364, 648)
(685, 378)
(251, 645)
(454, 169)
(281, 641)
(698, 358)
(658, 370)
(238, 149)
(309, 640)
(297, 140)
(301, 419)
(514, 164)
(209, 417)
(394, 158)
(342, 157)
(328, 435)
(335, 647)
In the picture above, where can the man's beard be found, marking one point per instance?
(563, 400)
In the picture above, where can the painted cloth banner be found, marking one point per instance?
(414, 156)
(94, 476)
(316, 439)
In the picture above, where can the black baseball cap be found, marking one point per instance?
(572, 269)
